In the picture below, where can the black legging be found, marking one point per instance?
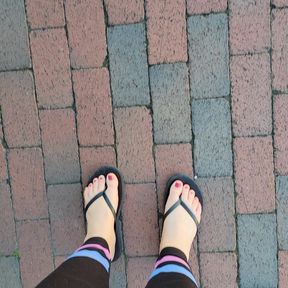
(82, 271)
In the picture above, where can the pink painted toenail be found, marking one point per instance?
(110, 177)
(177, 184)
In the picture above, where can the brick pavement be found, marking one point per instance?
(155, 88)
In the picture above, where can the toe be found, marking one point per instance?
(174, 193)
(195, 204)
(185, 193)
(191, 196)
(95, 185)
(198, 211)
(101, 183)
(112, 180)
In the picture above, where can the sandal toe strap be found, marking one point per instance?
(189, 211)
(108, 202)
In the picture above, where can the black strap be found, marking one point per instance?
(181, 203)
(106, 200)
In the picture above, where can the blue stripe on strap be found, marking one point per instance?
(93, 255)
(172, 268)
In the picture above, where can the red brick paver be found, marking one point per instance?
(92, 158)
(139, 204)
(43, 13)
(283, 268)
(280, 49)
(94, 110)
(281, 134)
(86, 30)
(139, 270)
(166, 28)
(134, 144)
(205, 6)
(251, 95)
(27, 183)
(50, 56)
(249, 26)
(280, 3)
(218, 270)
(254, 175)
(125, 11)
(16, 88)
(35, 251)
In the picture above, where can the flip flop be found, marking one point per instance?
(117, 226)
(186, 180)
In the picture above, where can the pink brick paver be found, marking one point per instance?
(124, 11)
(139, 204)
(251, 95)
(35, 251)
(218, 270)
(50, 56)
(16, 88)
(280, 3)
(43, 13)
(283, 268)
(92, 158)
(7, 224)
(280, 49)
(86, 31)
(205, 6)
(139, 270)
(254, 177)
(281, 133)
(94, 108)
(134, 144)
(169, 160)
(27, 183)
(249, 26)
(166, 28)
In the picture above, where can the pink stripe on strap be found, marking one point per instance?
(171, 258)
(97, 246)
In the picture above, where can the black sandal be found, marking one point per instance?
(105, 171)
(186, 180)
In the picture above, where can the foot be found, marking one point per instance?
(100, 220)
(179, 229)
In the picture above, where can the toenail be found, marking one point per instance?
(177, 184)
(186, 186)
(94, 180)
(90, 184)
(110, 177)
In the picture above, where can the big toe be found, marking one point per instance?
(112, 181)
(174, 193)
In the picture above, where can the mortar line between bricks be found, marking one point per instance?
(250, 53)
(10, 188)
(273, 141)
(108, 25)
(44, 28)
(192, 130)
(232, 148)
(41, 108)
(106, 19)
(17, 69)
(41, 146)
(252, 136)
(74, 107)
(205, 14)
(11, 195)
(152, 120)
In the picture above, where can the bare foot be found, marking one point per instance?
(100, 220)
(179, 229)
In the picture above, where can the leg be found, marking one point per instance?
(89, 265)
(179, 230)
